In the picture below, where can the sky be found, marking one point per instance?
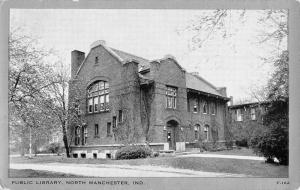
(234, 63)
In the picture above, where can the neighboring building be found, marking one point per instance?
(121, 98)
(248, 113)
(244, 119)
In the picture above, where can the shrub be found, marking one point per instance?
(242, 143)
(54, 148)
(156, 154)
(273, 142)
(133, 152)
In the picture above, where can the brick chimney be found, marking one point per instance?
(231, 100)
(77, 58)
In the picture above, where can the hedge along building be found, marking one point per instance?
(245, 118)
(123, 99)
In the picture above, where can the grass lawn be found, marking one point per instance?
(248, 167)
(38, 174)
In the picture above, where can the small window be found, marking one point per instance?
(75, 155)
(83, 155)
(120, 116)
(108, 129)
(114, 121)
(95, 155)
(96, 130)
(253, 116)
(239, 114)
(96, 60)
(195, 108)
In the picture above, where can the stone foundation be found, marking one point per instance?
(108, 151)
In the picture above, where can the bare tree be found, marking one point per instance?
(26, 70)
(57, 102)
(225, 23)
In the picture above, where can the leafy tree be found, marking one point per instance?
(273, 141)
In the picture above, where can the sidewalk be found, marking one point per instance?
(105, 170)
(187, 154)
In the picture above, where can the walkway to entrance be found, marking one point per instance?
(105, 170)
(186, 154)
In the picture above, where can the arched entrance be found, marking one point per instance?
(172, 134)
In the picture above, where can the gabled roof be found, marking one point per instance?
(194, 82)
(198, 83)
(143, 63)
(122, 57)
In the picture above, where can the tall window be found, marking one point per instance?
(114, 122)
(197, 128)
(239, 114)
(205, 108)
(84, 139)
(108, 129)
(206, 132)
(96, 130)
(213, 108)
(77, 135)
(252, 112)
(98, 94)
(171, 94)
(96, 60)
(120, 116)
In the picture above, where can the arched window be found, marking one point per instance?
(206, 132)
(98, 97)
(84, 135)
(77, 135)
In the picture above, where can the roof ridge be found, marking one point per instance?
(114, 49)
(204, 80)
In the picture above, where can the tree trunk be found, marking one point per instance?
(65, 139)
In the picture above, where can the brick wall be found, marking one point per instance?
(125, 94)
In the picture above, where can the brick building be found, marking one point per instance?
(122, 98)
(244, 119)
(248, 113)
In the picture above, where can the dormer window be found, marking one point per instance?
(98, 97)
